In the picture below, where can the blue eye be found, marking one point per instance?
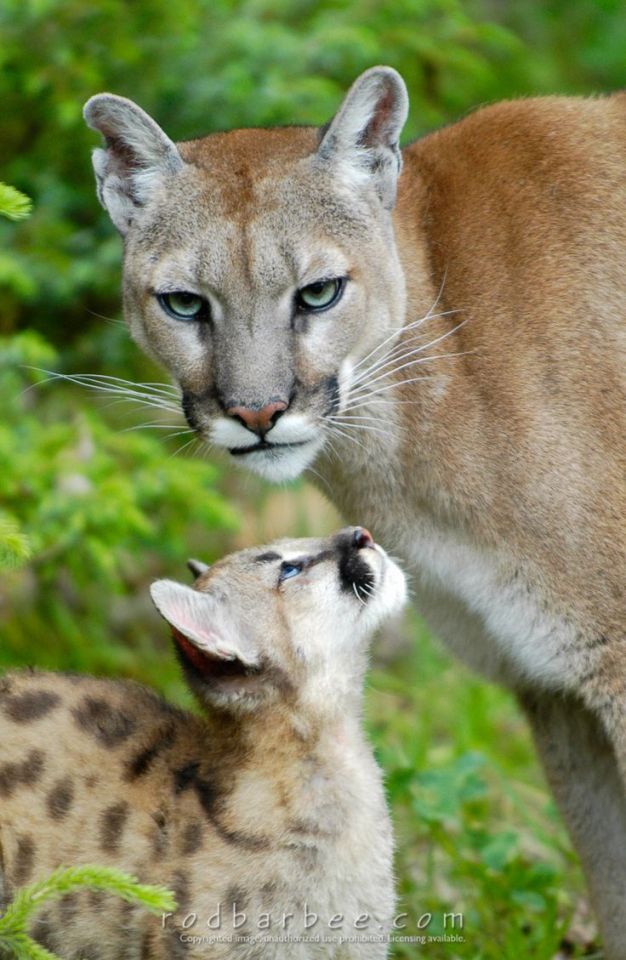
(288, 570)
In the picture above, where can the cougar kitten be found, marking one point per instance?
(265, 815)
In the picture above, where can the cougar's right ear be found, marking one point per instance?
(137, 158)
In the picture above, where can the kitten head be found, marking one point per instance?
(260, 265)
(285, 623)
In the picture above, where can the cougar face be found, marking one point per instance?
(260, 265)
(289, 621)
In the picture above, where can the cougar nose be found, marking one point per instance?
(258, 420)
(362, 538)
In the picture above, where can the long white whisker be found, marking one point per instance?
(366, 397)
(86, 380)
(393, 356)
(413, 363)
(422, 349)
(400, 330)
(162, 388)
(346, 436)
(360, 426)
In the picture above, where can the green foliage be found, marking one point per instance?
(88, 512)
(13, 204)
(476, 833)
(14, 940)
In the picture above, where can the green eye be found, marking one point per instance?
(320, 295)
(184, 306)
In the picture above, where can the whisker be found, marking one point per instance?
(359, 426)
(155, 400)
(356, 594)
(413, 363)
(405, 329)
(421, 349)
(399, 346)
(346, 436)
(367, 396)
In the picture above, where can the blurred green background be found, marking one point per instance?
(93, 504)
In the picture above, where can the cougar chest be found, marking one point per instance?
(485, 609)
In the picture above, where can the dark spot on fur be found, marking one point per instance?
(41, 932)
(68, 905)
(594, 642)
(160, 834)
(97, 898)
(188, 402)
(268, 557)
(142, 761)
(149, 945)
(187, 777)
(26, 773)
(30, 705)
(91, 781)
(90, 951)
(176, 948)
(128, 912)
(59, 800)
(192, 838)
(330, 386)
(268, 891)
(24, 860)
(108, 725)
(237, 897)
(112, 823)
(180, 888)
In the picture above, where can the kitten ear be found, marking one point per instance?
(363, 137)
(220, 666)
(137, 159)
(202, 620)
(197, 567)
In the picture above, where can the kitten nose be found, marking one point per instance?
(258, 420)
(362, 538)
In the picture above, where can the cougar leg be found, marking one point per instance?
(581, 768)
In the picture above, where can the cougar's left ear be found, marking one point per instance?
(364, 135)
(137, 159)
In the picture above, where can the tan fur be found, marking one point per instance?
(269, 803)
(478, 354)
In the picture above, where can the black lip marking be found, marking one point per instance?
(355, 575)
(264, 445)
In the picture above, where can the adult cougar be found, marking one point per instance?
(447, 347)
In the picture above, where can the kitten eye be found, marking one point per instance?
(184, 306)
(288, 570)
(321, 295)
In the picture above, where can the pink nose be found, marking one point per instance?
(362, 538)
(259, 421)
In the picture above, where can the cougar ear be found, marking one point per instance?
(197, 567)
(219, 664)
(137, 158)
(363, 137)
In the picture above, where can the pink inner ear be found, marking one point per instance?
(208, 666)
(207, 640)
(200, 660)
